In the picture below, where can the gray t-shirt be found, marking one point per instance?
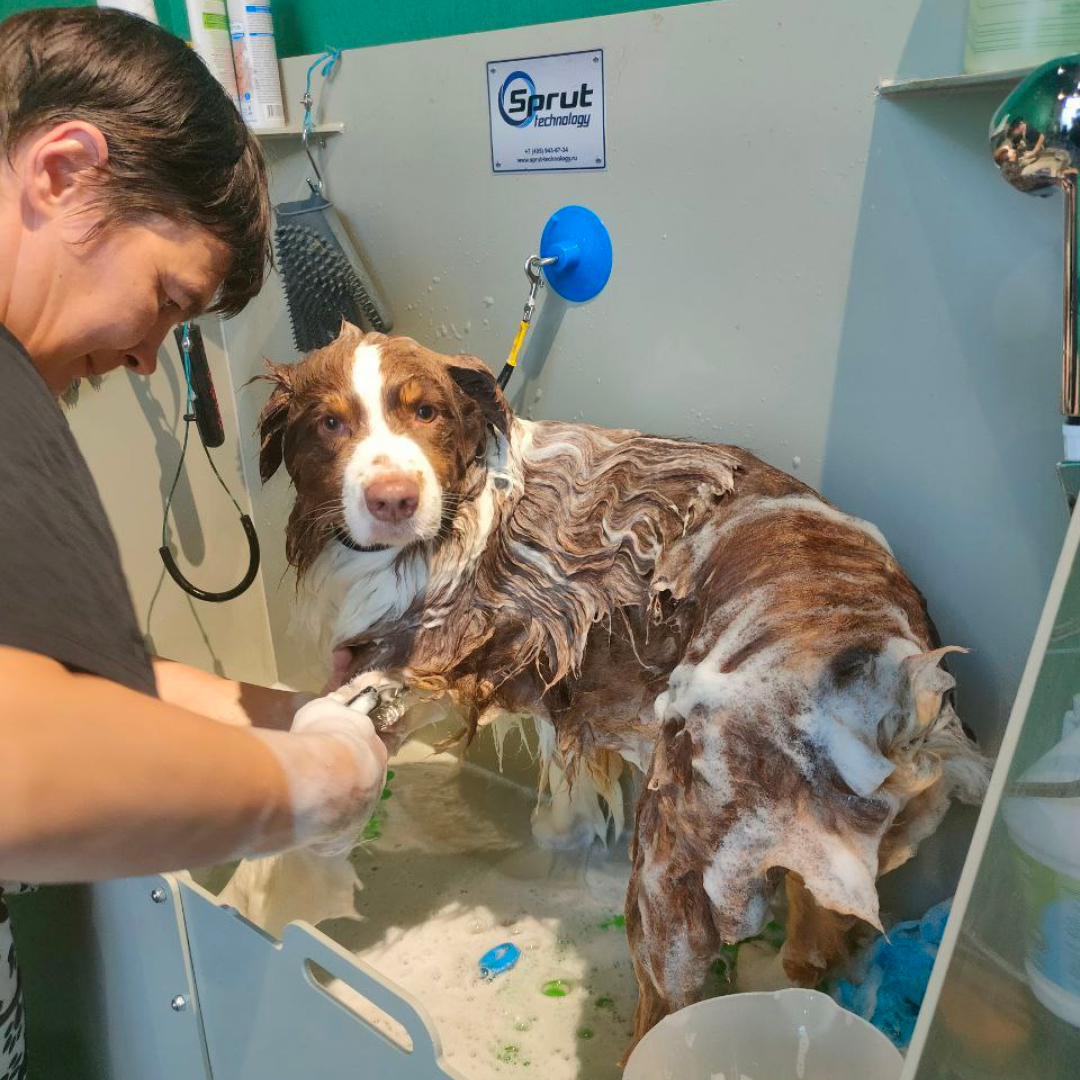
(62, 591)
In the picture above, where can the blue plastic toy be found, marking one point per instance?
(495, 961)
(893, 974)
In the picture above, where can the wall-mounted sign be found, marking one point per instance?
(547, 112)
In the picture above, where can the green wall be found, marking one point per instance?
(308, 26)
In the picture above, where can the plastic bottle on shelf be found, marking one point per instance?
(258, 82)
(1019, 33)
(143, 8)
(208, 24)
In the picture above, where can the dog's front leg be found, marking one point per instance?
(817, 939)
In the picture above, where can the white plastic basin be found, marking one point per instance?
(787, 1035)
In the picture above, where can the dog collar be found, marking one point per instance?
(343, 538)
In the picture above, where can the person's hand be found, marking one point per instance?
(350, 724)
(336, 767)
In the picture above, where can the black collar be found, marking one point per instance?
(342, 537)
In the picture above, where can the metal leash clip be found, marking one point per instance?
(533, 265)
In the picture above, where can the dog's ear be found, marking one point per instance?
(474, 379)
(274, 417)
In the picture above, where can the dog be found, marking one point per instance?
(757, 655)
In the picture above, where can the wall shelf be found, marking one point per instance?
(294, 130)
(950, 83)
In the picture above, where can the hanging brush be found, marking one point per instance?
(324, 278)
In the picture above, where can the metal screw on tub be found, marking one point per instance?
(158, 896)
(178, 1003)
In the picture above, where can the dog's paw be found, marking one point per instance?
(400, 709)
(384, 686)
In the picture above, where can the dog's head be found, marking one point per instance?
(379, 436)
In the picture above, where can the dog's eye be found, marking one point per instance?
(333, 424)
(426, 413)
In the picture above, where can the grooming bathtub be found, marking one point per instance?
(171, 983)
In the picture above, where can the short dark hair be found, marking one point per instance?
(178, 146)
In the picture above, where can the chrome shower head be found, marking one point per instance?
(1035, 141)
(1035, 133)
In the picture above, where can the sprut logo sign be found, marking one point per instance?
(547, 112)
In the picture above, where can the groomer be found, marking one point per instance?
(132, 197)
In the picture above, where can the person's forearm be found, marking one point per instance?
(225, 699)
(101, 781)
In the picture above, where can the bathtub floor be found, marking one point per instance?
(452, 873)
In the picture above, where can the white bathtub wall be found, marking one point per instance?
(130, 432)
(800, 268)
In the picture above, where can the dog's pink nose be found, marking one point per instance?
(392, 498)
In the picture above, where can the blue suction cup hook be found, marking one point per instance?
(579, 241)
(575, 257)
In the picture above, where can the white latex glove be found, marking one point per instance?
(333, 794)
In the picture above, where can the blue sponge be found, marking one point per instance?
(894, 972)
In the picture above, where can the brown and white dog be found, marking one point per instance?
(681, 607)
